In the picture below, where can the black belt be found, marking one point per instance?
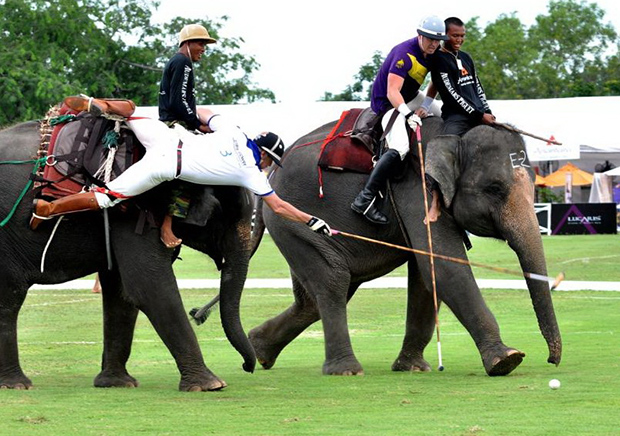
(179, 160)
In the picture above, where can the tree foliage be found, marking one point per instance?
(360, 89)
(105, 48)
(569, 52)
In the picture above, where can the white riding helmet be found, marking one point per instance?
(433, 27)
(193, 32)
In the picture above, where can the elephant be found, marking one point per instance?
(487, 189)
(140, 278)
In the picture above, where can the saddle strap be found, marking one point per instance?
(390, 123)
(179, 159)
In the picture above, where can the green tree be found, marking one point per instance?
(105, 48)
(223, 76)
(568, 52)
(564, 54)
(569, 40)
(361, 87)
(502, 55)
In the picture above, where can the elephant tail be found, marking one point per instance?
(200, 314)
(258, 225)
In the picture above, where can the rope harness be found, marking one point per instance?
(38, 164)
(109, 140)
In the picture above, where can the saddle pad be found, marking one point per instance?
(76, 154)
(60, 185)
(340, 153)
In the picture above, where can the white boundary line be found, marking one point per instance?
(380, 283)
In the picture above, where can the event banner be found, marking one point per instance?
(540, 151)
(583, 218)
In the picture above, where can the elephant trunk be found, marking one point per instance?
(231, 288)
(522, 233)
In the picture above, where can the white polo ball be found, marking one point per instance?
(554, 384)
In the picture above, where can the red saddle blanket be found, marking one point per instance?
(340, 153)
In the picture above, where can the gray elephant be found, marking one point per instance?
(487, 186)
(141, 279)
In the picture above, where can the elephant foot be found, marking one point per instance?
(19, 382)
(110, 379)
(410, 364)
(347, 367)
(209, 383)
(504, 363)
(265, 354)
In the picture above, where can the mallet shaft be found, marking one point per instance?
(555, 281)
(521, 132)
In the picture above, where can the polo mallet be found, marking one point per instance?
(521, 132)
(200, 315)
(430, 244)
(554, 281)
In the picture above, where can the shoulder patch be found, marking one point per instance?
(418, 71)
(400, 63)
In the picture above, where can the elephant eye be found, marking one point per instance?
(497, 190)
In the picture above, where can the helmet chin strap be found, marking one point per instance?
(189, 53)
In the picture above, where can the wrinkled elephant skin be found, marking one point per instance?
(485, 178)
(141, 279)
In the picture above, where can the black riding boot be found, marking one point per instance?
(365, 201)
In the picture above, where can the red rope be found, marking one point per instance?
(108, 192)
(329, 138)
(332, 135)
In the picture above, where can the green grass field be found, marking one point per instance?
(60, 335)
(582, 257)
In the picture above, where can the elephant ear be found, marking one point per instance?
(202, 205)
(442, 165)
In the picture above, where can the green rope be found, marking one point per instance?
(61, 119)
(37, 164)
(110, 139)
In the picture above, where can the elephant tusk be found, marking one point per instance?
(553, 281)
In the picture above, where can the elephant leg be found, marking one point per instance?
(333, 293)
(119, 320)
(11, 374)
(149, 283)
(471, 310)
(271, 337)
(419, 326)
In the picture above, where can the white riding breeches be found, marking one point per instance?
(398, 138)
(219, 158)
(157, 166)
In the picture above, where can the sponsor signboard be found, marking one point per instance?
(578, 218)
(583, 218)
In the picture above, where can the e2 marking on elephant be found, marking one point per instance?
(486, 197)
(519, 159)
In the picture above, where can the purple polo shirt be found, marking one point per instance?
(405, 60)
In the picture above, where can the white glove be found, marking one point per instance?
(319, 226)
(413, 120)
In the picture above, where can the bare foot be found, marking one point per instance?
(97, 286)
(166, 235)
(435, 211)
(170, 241)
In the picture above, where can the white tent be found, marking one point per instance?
(583, 123)
(614, 172)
